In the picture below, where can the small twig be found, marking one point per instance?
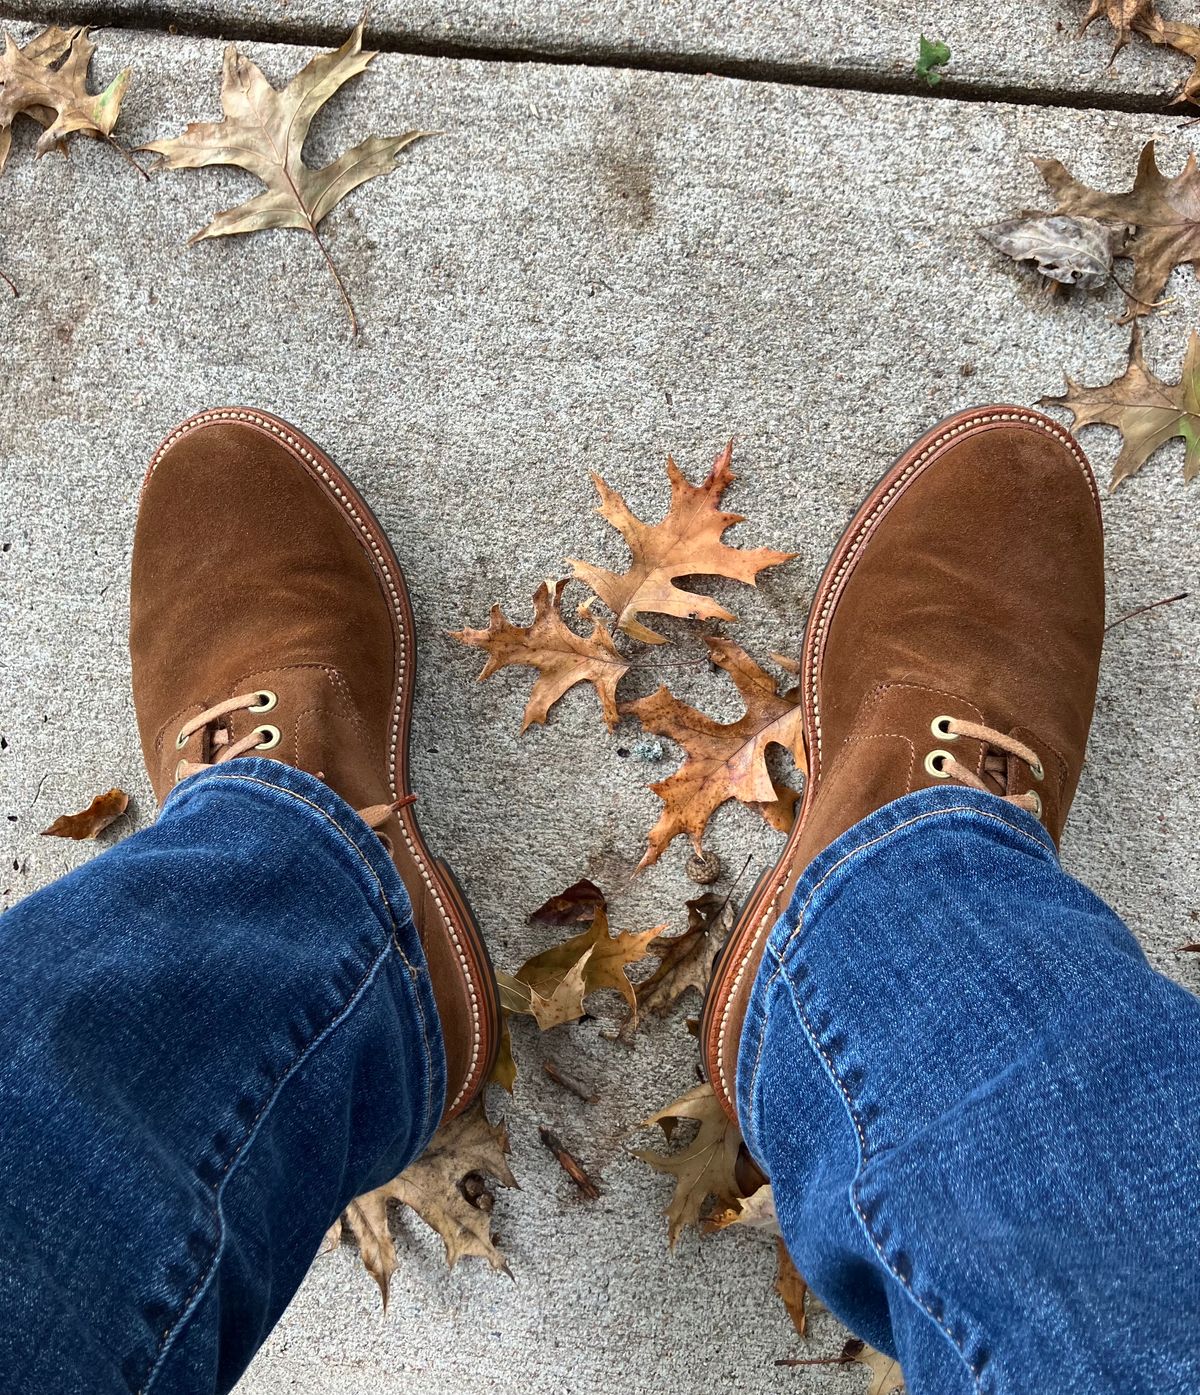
(818, 1361)
(570, 1164)
(1142, 609)
(9, 284)
(568, 1082)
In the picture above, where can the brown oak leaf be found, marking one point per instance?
(590, 961)
(264, 131)
(467, 1147)
(504, 1072)
(1164, 211)
(561, 1001)
(686, 543)
(47, 80)
(561, 657)
(580, 901)
(1128, 17)
(93, 820)
(685, 961)
(1147, 411)
(706, 1168)
(725, 760)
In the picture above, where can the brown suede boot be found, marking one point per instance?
(269, 617)
(955, 635)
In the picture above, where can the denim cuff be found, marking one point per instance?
(925, 814)
(296, 805)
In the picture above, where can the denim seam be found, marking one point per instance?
(835, 1076)
(413, 971)
(355, 996)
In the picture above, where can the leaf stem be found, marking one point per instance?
(128, 155)
(1142, 609)
(9, 283)
(341, 285)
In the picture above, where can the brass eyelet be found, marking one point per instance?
(267, 700)
(181, 741)
(179, 771)
(933, 764)
(273, 735)
(1038, 771)
(1037, 804)
(940, 726)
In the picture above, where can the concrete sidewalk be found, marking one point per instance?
(593, 267)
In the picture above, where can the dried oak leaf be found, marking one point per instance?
(264, 131)
(590, 961)
(706, 1168)
(1146, 411)
(1128, 17)
(1074, 251)
(434, 1187)
(685, 961)
(725, 760)
(93, 820)
(791, 1288)
(561, 657)
(47, 80)
(1164, 211)
(504, 1072)
(562, 1001)
(686, 543)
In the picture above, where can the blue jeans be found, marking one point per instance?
(972, 1094)
(979, 1107)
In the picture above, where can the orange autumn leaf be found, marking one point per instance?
(102, 811)
(561, 657)
(725, 760)
(686, 543)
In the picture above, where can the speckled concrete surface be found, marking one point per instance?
(998, 46)
(590, 269)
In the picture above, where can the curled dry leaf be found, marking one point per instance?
(753, 1213)
(685, 961)
(1074, 251)
(579, 902)
(724, 760)
(586, 963)
(47, 80)
(791, 1288)
(435, 1187)
(102, 811)
(264, 131)
(1147, 411)
(504, 1072)
(706, 1169)
(562, 658)
(686, 543)
(1165, 212)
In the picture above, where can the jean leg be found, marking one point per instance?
(212, 1036)
(977, 1104)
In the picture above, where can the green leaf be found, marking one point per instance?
(933, 54)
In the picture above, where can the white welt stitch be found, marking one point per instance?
(301, 449)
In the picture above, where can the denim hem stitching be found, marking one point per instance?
(356, 995)
(864, 1151)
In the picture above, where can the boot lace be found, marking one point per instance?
(999, 747)
(263, 738)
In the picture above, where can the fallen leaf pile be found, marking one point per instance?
(724, 760)
(1147, 411)
(263, 130)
